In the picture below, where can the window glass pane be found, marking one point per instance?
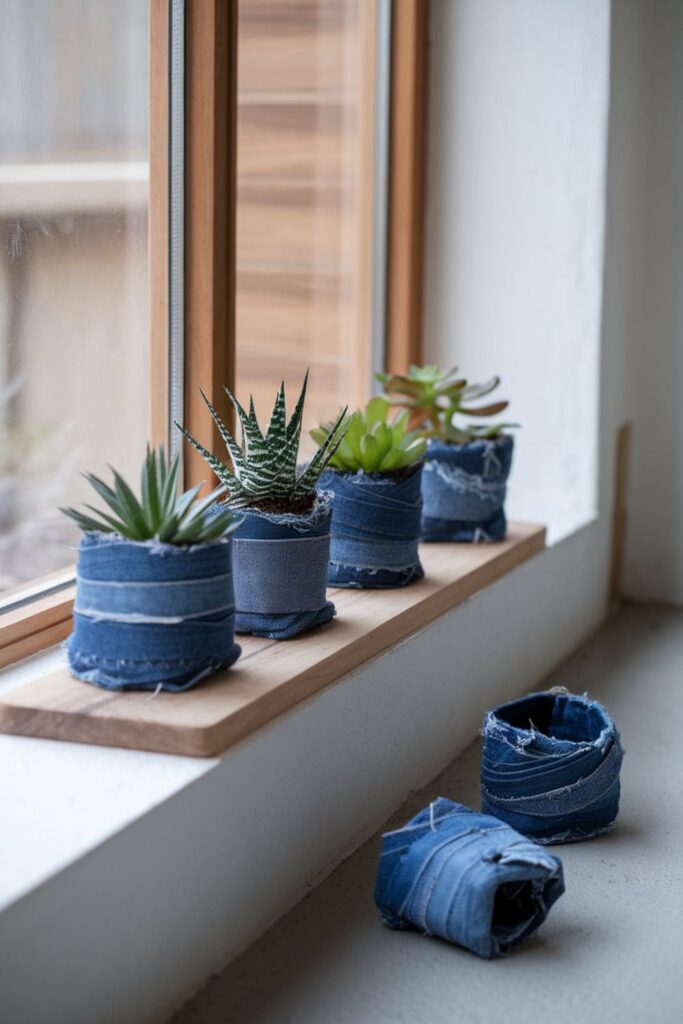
(73, 264)
(304, 203)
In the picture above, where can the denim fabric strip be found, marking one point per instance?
(463, 487)
(375, 529)
(280, 565)
(143, 619)
(372, 554)
(550, 766)
(155, 601)
(281, 576)
(467, 878)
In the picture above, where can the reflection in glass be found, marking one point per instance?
(304, 204)
(73, 264)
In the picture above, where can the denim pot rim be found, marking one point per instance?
(379, 476)
(497, 724)
(311, 519)
(474, 445)
(97, 538)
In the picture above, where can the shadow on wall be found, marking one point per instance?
(515, 230)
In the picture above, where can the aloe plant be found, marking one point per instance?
(372, 444)
(160, 513)
(435, 398)
(264, 465)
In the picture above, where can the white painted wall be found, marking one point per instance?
(513, 285)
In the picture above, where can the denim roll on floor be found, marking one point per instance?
(463, 488)
(150, 615)
(375, 529)
(550, 766)
(466, 877)
(280, 562)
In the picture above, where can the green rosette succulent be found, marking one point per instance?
(372, 443)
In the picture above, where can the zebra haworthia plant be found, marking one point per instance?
(160, 513)
(264, 465)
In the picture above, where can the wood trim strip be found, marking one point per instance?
(210, 195)
(619, 514)
(36, 616)
(158, 252)
(31, 643)
(407, 162)
(270, 677)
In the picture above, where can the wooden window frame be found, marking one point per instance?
(210, 198)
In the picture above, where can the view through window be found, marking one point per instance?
(73, 265)
(305, 161)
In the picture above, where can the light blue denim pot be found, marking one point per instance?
(151, 615)
(463, 488)
(550, 766)
(375, 529)
(466, 877)
(280, 563)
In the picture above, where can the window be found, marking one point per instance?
(242, 232)
(74, 377)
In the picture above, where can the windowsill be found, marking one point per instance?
(271, 677)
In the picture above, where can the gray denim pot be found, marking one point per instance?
(280, 570)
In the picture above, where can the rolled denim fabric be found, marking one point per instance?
(466, 877)
(463, 488)
(550, 766)
(150, 615)
(280, 562)
(375, 529)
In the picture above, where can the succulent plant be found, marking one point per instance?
(434, 398)
(264, 465)
(160, 513)
(372, 444)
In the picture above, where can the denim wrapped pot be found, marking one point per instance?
(463, 488)
(280, 562)
(467, 878)
(550, 766)
(150, 615)
(375, 528)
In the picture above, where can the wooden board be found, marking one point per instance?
(270, 677)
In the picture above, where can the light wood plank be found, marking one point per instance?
(270, 677)
(407, 161)
(158, 220)
(210, 187)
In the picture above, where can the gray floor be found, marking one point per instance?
(612, 948)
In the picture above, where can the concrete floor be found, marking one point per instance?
(611, 949)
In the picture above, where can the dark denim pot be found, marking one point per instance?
(151, 615)
(375, 529)
(280, 565)
(550, 766)
(463, 487)
(467, 878)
